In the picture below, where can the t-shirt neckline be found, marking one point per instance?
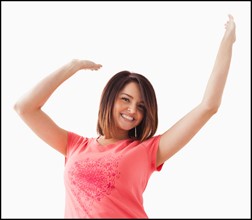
(111, 144)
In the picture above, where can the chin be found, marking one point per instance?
(125, 128)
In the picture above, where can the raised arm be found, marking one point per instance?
(29, 106)
(182, 132)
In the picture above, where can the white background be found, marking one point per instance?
(174, 44)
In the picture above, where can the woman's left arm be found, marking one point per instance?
(182, 132)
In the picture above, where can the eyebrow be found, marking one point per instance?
(131, 97)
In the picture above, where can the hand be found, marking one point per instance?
(87, 64)
(230, 29)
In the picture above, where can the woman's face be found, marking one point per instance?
(128, 109)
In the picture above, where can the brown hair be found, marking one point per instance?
(148, 126)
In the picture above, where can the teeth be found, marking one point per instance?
(127, 117)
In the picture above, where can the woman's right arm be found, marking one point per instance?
(29, 106)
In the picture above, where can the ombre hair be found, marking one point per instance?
(148, 126)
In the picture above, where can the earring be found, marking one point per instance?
(135, 132)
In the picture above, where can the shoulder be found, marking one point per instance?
(75, 140)
(151, 146)
(76, 144)
(152, 141)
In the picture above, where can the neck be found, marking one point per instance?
(116, 135)
(102, 140)
(115, 138)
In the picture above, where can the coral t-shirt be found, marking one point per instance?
(107, 181)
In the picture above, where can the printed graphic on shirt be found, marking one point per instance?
(93, 179)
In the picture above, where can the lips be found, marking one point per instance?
(127, 117)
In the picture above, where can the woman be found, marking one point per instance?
(106, 176)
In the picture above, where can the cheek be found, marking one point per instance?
(116, 110)
(119, 107)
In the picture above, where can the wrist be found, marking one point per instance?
(75, 64)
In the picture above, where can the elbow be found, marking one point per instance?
(214, 110)
(18, 108)
(210, 108)
(21, 108)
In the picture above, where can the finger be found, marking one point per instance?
(230, 17)
(98, 66)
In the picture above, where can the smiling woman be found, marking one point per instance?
(106, 176)
(133, 99)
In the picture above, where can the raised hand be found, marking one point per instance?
(230, 29)
(87, 64)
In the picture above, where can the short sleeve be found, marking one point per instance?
(75, 143)
(152, 148)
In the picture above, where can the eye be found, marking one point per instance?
(141, 107)
(125, 99)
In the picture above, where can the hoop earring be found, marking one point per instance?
(135, 132)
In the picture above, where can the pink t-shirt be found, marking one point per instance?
(107, 181)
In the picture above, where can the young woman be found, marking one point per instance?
(105, 176)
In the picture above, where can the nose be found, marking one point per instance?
(132, 109)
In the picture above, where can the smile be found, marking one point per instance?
(127, 117)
